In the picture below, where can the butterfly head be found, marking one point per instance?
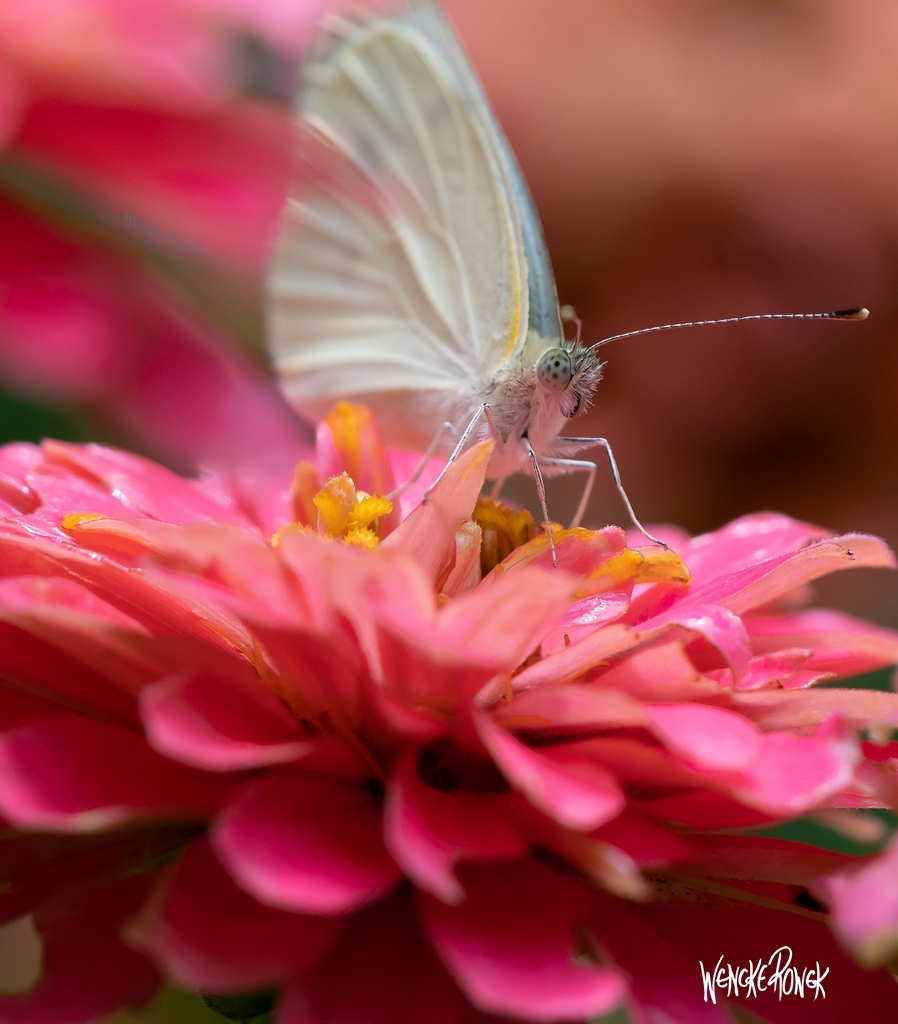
(568, 373)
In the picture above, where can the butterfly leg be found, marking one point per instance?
(487, 413)
(541, 493)
(571, 466)
(595, 442)
(447, 427)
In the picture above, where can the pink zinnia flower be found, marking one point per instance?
(292, 739)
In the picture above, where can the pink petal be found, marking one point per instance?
(649, 845)
(718, 625)
(864, 905)
(807, 709)
(761, 858)
(37, 867)
(580, 552)
(660, 671)
(570, 662)
(665, 982)
(86, 656)
(585, 616)
(793, 773)
(428, 831)
(403, 464)
(381, 971)
(72, 774)
(305, 844)
(574, 791)
(686, 926)
(162, 603)
(708, 738)
(219, 723)
(838, 643)
(428, 534)
(763, 582)
(352, 443)
(16, 462)
(702, 810)
(571, 706)
(171, 172)
(206, 933)
(744, 543)
(780, 670)
(514, 956)
(145, 488)
(87, 972)
(506, 620)
(441, 658)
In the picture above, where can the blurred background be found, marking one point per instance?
(690, 159)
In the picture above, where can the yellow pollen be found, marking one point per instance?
(509, 688)
(75, 519)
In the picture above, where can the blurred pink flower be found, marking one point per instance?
(138, 137)
(426, 795)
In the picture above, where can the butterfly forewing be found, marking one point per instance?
(400, 276)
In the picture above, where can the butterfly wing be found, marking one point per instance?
(400, 276)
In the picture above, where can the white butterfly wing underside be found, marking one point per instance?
(400, 271)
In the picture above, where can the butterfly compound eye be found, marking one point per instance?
(553, 370)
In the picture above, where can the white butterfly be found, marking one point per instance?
(411, 271)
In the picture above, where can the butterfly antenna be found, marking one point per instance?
(569, 313)
(840, 314)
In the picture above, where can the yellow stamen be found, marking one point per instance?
(351, 427)
(503, 530)
(334, 503)
(342, 513)
(367, 510)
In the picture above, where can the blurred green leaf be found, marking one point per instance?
(881, 679)
(22, 420)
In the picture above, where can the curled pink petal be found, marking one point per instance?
(575, 791)
(721, 627)
(219, 723)
(71, 774)
(305, 844)
(428, 831)
(429, 532)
